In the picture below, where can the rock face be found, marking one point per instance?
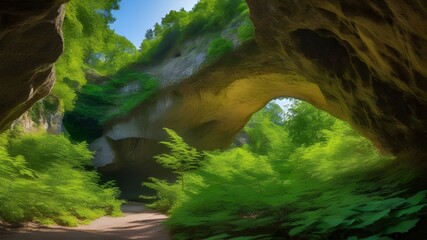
(362, 61)
(30, 43)
(368, 59)
(45, 115)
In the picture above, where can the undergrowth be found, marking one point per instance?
(43, 179)
(280, 187)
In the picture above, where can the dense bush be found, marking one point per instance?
(89, 43)
(219, 47)
(278, 187)
(178, 26)
(157, 48)
(43, 179)
(246, 31)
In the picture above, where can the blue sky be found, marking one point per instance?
(136, 16)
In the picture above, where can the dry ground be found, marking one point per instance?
(137, 223)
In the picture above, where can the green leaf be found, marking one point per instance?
(297, 230)
(376, 237)
(251, 237)
(304, 225)
(377, 205)
(419, 197)
(369, 218)
(410, 210)
(333, 221)
(218, 237)
(402, 227)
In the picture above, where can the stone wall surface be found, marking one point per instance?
(30, 43)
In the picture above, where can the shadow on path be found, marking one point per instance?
(138, 223)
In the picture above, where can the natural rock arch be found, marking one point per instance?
(363, 62)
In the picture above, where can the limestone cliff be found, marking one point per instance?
(30, 43)
(362, 61)
(44, 116)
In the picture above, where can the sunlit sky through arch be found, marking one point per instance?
(135, 17)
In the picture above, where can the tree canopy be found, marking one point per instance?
(89, 43)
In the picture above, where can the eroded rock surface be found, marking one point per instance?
(30, 43)
(368, 59)
(362, 61)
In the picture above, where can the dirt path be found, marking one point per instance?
(138, 223)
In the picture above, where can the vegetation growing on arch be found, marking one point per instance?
(219, 47)
(99, 103)
(177, 26)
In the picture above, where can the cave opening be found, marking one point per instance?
(287, 122)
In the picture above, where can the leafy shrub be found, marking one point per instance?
(246, 32)
(156, 49)
(43, 178)
(279, 187)
(180, 160)
(221, 12)
(167, 194)
(219, 47)
(194, 27)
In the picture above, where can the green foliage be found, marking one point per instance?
(42, 178)
(305, 123)
(156, 48)
(219, 13)
(99, 103)
(246, 31)
(182, 157)
(167, 194)
(219, 47)
(277, 186)
(89, 43)
(178, 26)
(104, 102)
